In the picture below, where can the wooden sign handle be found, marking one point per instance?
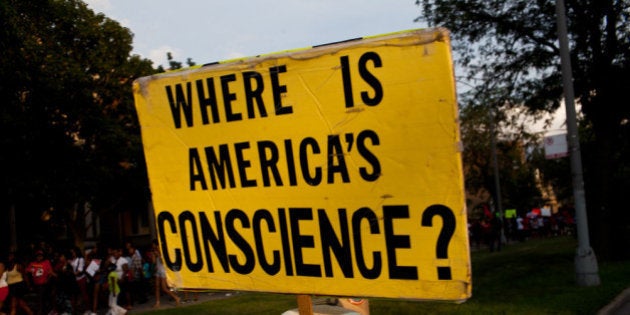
(305, 304)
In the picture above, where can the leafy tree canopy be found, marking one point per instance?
(509, 50)
(71, 133)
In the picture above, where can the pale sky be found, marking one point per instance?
(215, 30)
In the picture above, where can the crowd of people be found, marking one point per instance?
(491, 230)
(70, 281)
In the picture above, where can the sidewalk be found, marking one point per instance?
(167, 303)
(619, 306)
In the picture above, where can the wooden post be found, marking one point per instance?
(305, 304)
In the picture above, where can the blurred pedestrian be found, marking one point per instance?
(4, 286)
(477, 233)
(114, 291)
(520, 229)
(99, 278)
(160, 277)
(40, 272)
(81, 300)
(64, 284)
(122, 265)
(18, 286)
(148, 272)
(125, 288)
(136, 284)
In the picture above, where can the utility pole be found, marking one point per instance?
(586, 270)
(497, 180)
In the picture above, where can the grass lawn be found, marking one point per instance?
(534, 277)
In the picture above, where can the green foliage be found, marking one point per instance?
(71, 132)
(534, 277)
(509, 52)
(516, 172)
(556, 173)
(475, 133)
(507, 45)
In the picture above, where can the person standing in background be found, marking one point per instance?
(135, 285)
(114, 291)
(17, 285)
(122, 264)
(99, 278)
(4, 286)
(160, 277)
(148, 272)
(77, 261)
(65, 285)
(40, 272)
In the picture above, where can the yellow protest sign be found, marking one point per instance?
(332, 170)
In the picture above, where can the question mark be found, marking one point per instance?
(448, 228)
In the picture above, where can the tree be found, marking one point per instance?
(517, 175)
(70, 131)
(510, 49)
(174, 64)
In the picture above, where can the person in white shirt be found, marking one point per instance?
(4, 286)
(77, 261)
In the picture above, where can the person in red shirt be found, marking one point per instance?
(39, 273)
